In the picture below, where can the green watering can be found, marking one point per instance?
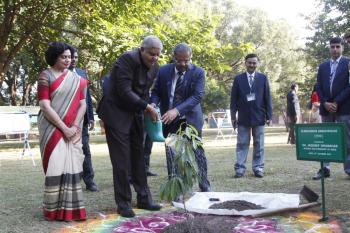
(154, 129)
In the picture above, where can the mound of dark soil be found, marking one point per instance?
(203, 224)
(238, 205)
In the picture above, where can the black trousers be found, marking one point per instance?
(291, 125)
(126, 150)
(148, 144)
(88, 171)
(203, 182)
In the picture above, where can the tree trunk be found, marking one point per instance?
(3, 100)
(26, 94)
(13, 89)
(2, 77)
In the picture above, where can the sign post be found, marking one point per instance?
(324, 142)
(324, 217)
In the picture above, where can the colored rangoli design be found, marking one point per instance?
(155, 222)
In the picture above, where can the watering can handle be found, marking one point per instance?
(159, 115)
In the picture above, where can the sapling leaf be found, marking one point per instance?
(184, 143)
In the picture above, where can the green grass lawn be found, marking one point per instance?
(21, 185)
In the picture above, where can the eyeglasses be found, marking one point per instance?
(251, 62)
(187, 62)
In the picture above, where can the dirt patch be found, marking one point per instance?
(203, 224)
(238, 205)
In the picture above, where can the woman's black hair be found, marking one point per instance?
(54, 50)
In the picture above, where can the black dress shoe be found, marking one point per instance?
(238, 175)
(205, 189)
(318, 176)
(148, 173)
(258, 174)
(92, 188)
(149, 206)
(179, 199)
(126, 213)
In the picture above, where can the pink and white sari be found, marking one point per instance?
(62, 160)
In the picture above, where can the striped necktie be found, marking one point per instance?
(178, 89)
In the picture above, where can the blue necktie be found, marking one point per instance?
(334, 65)
(251, 80)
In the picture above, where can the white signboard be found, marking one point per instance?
(14, 123)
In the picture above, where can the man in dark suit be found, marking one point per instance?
(147, 147)
(293, 111)
(105, 83)
(179, 90)
(334, 93)
(122, 110)
(251, 98)
(88, 124)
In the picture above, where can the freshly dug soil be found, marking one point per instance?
(238, 205)
(204, 224)
(212, 223)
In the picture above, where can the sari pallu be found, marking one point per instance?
(62, 160)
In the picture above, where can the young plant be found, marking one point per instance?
(185, 171)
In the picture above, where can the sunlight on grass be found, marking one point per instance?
(21, 186)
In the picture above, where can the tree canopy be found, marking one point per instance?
(220, 33)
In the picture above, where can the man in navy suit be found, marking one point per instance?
(333, 90)
(179, 89)
(251, 98)
(88, 124)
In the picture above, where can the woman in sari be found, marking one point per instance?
(61, 95)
